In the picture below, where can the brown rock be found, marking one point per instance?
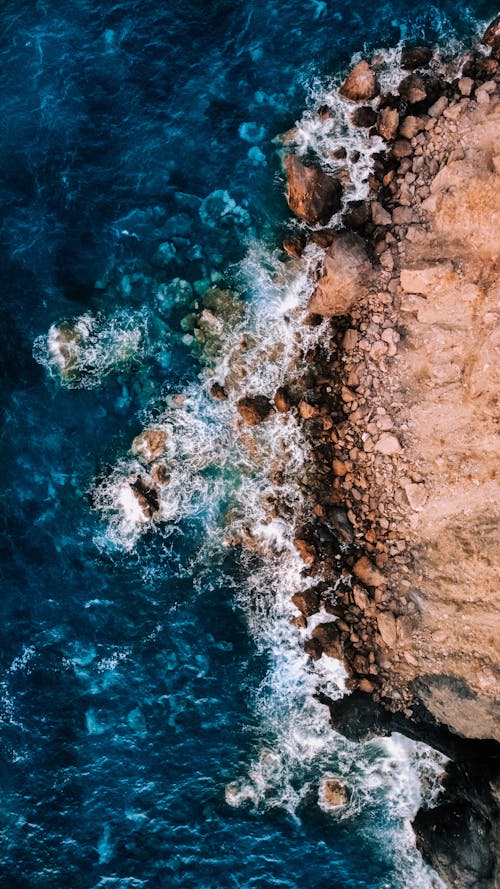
(415, 57)
(328, 637)
(160, 473)
(388, 445)
(147, 495)
(313, 648)
(364, 117)
(411, 126)
(339, 468)
(412, 89)
(366, 572)
(402, 215)
(218, 392)
(380, 216)
(281, 400)
(350, 339)
(386, 623)
(346, 270)
(360, 84)
(402, 148)
(357, 215)
(312, 194)
(465, 85)
(254, 409)
(306, 550)
(366, 686)
(438, 107)
(307, 411)
(322, 237)
(425, 278)
(150, 444)
(388, 121)
(491, 36)
(307, 602)
(335, 793)
(294, 244)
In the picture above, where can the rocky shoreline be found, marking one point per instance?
(400, 410)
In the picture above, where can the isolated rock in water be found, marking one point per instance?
(312, 194)
(415, 57)
(150, 444)
(491, 37)
(254, 409)
(147, 496)
(366, 572)
(346, 270)
(360, 84)
(388, 122)
(281, 400)
(334, 793)
(64, 346)
(412, 89)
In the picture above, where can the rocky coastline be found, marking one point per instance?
(400, 407)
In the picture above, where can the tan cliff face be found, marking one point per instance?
(417, 457)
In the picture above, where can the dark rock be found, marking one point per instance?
(324, 112)
(491, 37)
(357, 215)
(360, 84)
(415, 57)
(323, 237)
(254, 409)
(147, 496)
(402, 148)
(364, 117)
(412, 89)
(313, 648)
(294, 244)
(329, 639)
(339, 153)
(307, 602)
(281, 400)
(312, 194)
(218, 392)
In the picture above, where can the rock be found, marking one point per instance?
(364, 117)
(465, 85)
(424, 278)
(160, 473)
(322, 237)
(334, 793)
(366, 686)
(386, 623)
(346, 270)
(402, 215)
(360, 84)
(357, 215)
(416, 496)
(380, 216)
(218, 392)
(150, 444)
(147, 495)
(350, 339)
(402, 148)
(339, 468)
(254, 409)
(295, 244)
(367, 573)
(307, 411)
(313, 648)
(388, 122)
(306, 550)
(281, 400)
(411, 126)
(491, 36)
(328, 637)
(388, 445)
(412, 89)
(307, 602)
(438, 107)
(415, 57)
(312, 194)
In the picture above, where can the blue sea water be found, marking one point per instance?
(151, 735)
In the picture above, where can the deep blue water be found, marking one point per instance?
(128, 679)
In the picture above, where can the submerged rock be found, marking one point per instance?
(312, 194)
(346, 268)
(360, 84)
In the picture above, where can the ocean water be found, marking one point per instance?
(158, 723)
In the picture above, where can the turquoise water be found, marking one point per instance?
(158, 721)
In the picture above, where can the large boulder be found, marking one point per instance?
(147, 496)
(388, 121)
(360, 84)
(150, 444)
(415, 57)
(346, 270)
(312, 194)
(412, 89)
